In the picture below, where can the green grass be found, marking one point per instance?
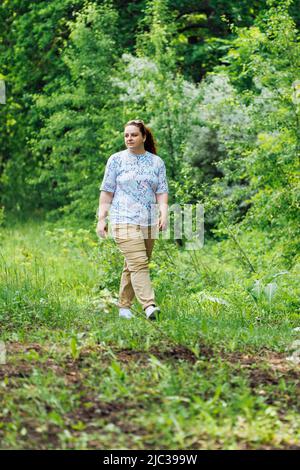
(212, 373)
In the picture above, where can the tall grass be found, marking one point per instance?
(65, 278)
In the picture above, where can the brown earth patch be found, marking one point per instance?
(118, 413)
(264, 367)
(265, 371)
(22, 369)
(91, 408)
(272, 360)
(282, 446)
(16, 347)
(178, 353)
(35, 437)
(40, 439)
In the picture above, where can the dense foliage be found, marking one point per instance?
(75, 71)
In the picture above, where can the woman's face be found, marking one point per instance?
(133, 137)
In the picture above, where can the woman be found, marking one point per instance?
(134, 184)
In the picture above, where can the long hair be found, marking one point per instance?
(149, 143)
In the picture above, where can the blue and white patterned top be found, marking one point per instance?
(134, 179)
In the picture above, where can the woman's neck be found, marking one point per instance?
(140, 151)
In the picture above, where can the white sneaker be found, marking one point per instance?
(125, 313)
(152, 312)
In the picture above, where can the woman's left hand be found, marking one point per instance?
(163, 223)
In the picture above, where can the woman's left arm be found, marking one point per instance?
(162, 201)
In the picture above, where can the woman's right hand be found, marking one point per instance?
(101, 229)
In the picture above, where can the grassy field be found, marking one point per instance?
(218, 371)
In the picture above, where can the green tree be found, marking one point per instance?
(263, 65)
(31, 35)
(69, 148)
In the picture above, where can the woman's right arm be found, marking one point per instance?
(104, 205)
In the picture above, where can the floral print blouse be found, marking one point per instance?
(134, 179)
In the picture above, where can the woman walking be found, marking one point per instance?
(133, 187)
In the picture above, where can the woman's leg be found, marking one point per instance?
(126, 292)
(132, 244)
(149, 239)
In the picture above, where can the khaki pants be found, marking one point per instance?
(136, 243)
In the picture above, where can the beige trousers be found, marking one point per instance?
(136, 243)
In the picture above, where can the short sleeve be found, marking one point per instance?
(110, 176)
(162, 186)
